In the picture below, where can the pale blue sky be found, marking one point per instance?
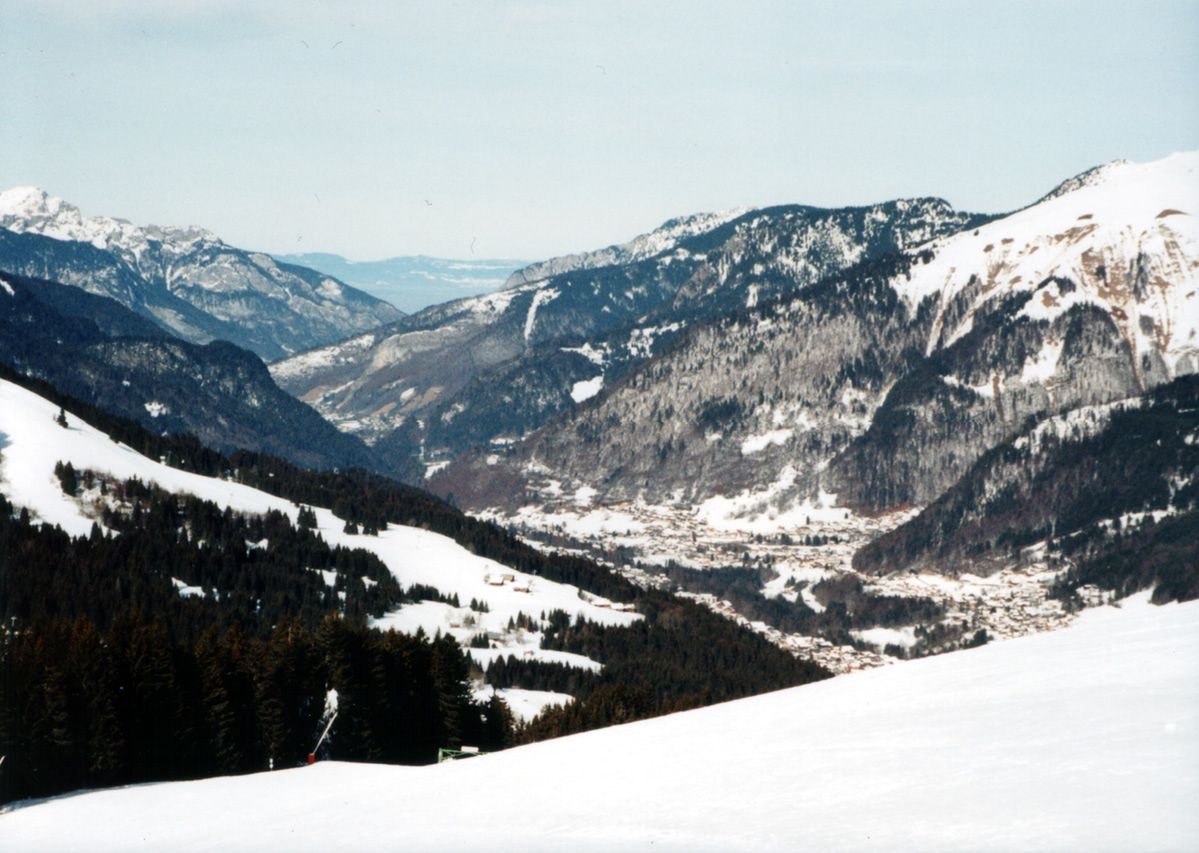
(533, 129)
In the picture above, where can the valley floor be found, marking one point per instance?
(793, 553)
(1085, 738)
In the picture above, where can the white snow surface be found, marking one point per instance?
(485, 657)
(882, 637)
(541, 297)
(524, 704)
(31, 443)
(755, 510)
(587, 388)
(1127, 236)
(1085, 738)
(757, 443)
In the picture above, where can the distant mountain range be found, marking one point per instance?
(800, 440)
(893, 382)
(186, 280)
(412, 283)
(497, 367)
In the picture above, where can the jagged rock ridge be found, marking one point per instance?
(186, 280)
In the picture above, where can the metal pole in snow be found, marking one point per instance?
(324, 734)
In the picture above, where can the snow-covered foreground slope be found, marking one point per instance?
(1084, 739)
(31, 444)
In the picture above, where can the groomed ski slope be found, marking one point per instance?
(1081, 739)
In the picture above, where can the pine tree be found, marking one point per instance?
(67, 478)
(453, 695)
(306, 519)
(105, 741)
(219, 714)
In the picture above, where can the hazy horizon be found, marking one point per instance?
(527, 130)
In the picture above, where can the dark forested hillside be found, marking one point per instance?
(1095, 486)
(675, 428)
(458, 375)
(97, 350)
(111, 673)
(184, 281)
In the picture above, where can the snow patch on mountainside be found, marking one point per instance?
(757, 510)
(524, 704)
(757, 443)
(586, 389)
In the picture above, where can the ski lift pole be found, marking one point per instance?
(321, 739)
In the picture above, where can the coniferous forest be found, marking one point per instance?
(110, 676)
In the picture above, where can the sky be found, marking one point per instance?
(533, 129)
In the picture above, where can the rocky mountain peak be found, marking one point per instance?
(32, 210)
(184, 278)
(1122, 237)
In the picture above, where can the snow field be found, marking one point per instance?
(524, 704)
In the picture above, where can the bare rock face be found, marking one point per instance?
(186, 280)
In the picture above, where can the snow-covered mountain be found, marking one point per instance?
(1084, 738)
(186, 280)
(498, 366)
(413, 283)
(1124, 236)
(878, 386)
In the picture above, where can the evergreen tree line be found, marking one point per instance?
(1058, 487)
(1162, 555)
(82, 707)
(512, 671)
(92, 692)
